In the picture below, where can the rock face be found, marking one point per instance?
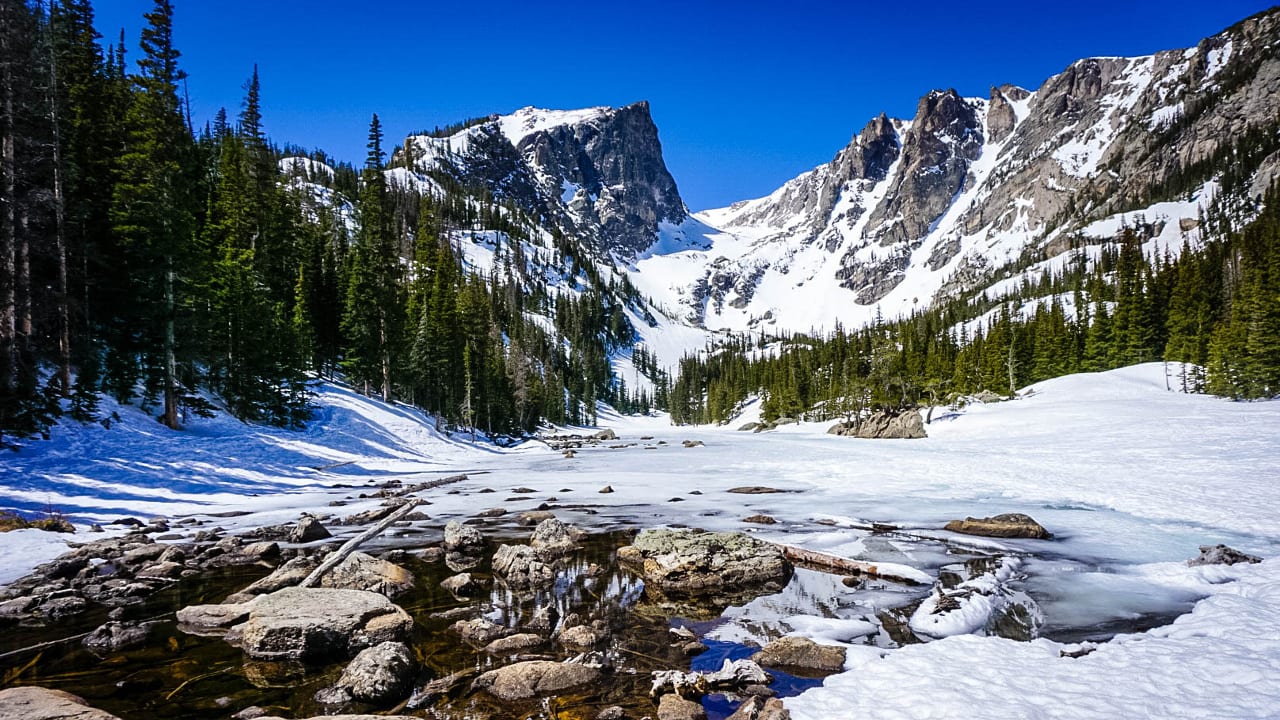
(535, 678)
(691, 562)
(884, 425)
(380, 674)
(1221, 555)
(37, 703)
(1008, 525)
(598, 172)
(799, 652)
(312, 624)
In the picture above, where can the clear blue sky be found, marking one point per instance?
(745, 94)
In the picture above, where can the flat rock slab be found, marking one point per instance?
(535, 678)
(1008, 525)
(37, 703)
(758, 490)
(693, 562)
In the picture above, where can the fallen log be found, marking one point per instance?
(834, 563)
(350, 546)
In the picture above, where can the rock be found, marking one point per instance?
(552, 538)
(533, 517)
(308, 530)
(287, 575)
(693, 647)
(756, 490)
(431, 554)
(606, 434)
(253, 712)
(674, 707)
(161, 571)
(800, 652)
(115, 636)
(606, 489)
(462, 538)
(37, 703)
(306, 623)
(360, 571)
(1007, 525)
(760, 708)
(883, 425)
(986, 396)
(693, 443)
(262, 550)
(480, 632)
(491, 513)
(60, 607)
(581, 637)
(613, 712)
(1221, 555)
(692, 562)
(760, 520)
(513, 643)
(535, 678)
(380, 674)
(460, 584)
(749, 427)
(521, 566)
(570, 454)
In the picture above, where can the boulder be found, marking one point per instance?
(606, 434)
(480, 632)
(360, 571)
(521, 566)
(311, 623)
(799, 652)
(748, 427)
(692, 562)
(1221, 555)
(535, 678)
(581, 637)
(308, 530)
(692, 443)
(115, 636)
(759, 708)
(760, 519)
(380, 674)
(606, 490)
(756, 490)
(552, 538)
(37, 703)
(287, 575)
(1007, 525)
(986, 396)
(674, 707)
(533, 517)
(462, 538)
(883, 425)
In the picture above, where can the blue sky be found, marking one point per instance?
(745, 94)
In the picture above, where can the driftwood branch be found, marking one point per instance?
(349, 547)
(834, 563)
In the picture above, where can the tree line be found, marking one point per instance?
(181, 269)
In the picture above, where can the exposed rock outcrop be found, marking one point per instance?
(1007, 525)
(883, 425)
(1221, 555)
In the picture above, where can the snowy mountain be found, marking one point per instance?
(912, 211)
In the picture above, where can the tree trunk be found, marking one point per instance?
(60, 234)
(8, 233)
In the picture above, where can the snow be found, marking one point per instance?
(1130, 478)
(529, 120)
(1217, 59)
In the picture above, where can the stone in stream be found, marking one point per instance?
(674, 707)
(359, 571)
(800, 652)
(1221, 555)
(522, 566)
(760, 519)
(115, 636)
(691, 562)
(759, 708)
(553, 538)
(535, 678)
(379, 675)
(582, 637)
(37, 703)
(513, 643)
(1007, 525)
(302, 623)
(480, 632)
(462, 538)
(460, 584)
(308, 530)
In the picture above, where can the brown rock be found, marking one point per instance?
(37, 703)
(534, 678)
(674, 707)
(800, 652)
(1007, 525)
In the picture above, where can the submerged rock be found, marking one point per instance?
(694, 562)
(378, 675)
(513, 643)
(37, 703)
(534, 678)
(674, 707)
(480, 632)
(521, 566)
(1008, 525)
(800, 652)
(1221, 555)
(460, 584)
(115, 636)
